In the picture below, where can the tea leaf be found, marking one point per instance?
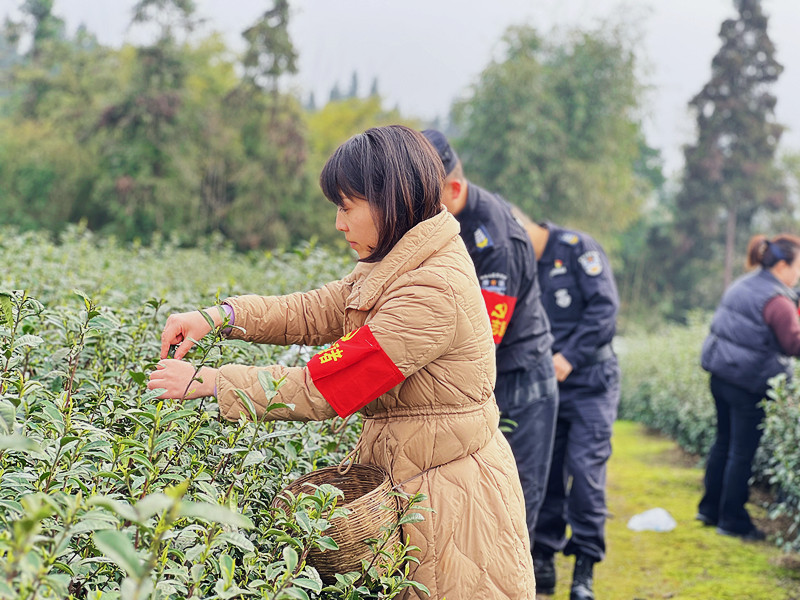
(236, 539)
(119, 548)
(6, 310)
(18, 443)
(214, 513)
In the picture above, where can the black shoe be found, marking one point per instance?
(582, 578)
(707, 521)
(754, 535)
(544, 570)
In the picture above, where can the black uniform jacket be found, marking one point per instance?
(506, 267)
(580, 296)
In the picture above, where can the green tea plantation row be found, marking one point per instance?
(665, 388)
(107, 492)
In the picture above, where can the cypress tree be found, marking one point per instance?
(730, 180)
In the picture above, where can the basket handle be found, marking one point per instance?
(349, 459)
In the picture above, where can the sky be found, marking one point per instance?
(427, 53)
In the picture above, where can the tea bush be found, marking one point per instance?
(106, 491)
(781, 455)
(664, 387)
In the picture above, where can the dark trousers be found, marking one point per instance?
(576, 487)
(730, 459)
(530, 399)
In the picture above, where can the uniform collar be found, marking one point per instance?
(471, 205)
(552, 235)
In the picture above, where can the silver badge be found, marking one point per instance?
(563, 299)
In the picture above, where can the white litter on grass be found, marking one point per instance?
(655, 519)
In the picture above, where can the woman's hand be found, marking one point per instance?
(182, 328)
(175, 376)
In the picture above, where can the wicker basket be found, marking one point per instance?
(366, 491)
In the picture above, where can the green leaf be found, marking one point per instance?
(8, 416)
(138, 377)
(248, 404)
(121, 509)
(235, 538)
(214, 513)
(326, 542)
(178, 414)
(309, 584)
(290, 558)
(411, 518)
(18, 443)
(164, 441)
(254, 457)
(119, 548)
(227, 566)
(94, 520)
(30, 341)
(6, 310)
(294, 593)
(151, 505)
(12, 505)
(100, 448)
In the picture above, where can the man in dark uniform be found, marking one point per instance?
(526, 388)
(580, 296)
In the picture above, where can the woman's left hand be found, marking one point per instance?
(175, 376)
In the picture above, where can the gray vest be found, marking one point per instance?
(741, 348)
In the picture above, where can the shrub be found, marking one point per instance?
(663, 385)
(780, 456)
(108, 492)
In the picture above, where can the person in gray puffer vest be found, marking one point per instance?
(754, 331)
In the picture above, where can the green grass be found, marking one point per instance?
(691, 562)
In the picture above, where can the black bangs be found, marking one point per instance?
(396, 170)
(343, 175)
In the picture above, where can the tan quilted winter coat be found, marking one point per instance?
(423, 305)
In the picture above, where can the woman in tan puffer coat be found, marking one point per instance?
(411, 348)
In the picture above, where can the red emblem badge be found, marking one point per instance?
(500, 310)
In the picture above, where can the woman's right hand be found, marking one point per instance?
(182, 329)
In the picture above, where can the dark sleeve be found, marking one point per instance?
(598, 320)
(499, 273)
(780, 314)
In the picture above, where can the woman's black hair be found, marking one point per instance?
(396, 170)
(766, 253)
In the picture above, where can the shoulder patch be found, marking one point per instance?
(494, 282)
(482, 238)
(570, 239)
(591, 263)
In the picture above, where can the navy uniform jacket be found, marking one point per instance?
(506, 267)
(580, 296)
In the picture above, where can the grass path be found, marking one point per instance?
(691, 562)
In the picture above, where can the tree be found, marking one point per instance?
(730, 180)
(552, 127)
(353, 92)
(335, 94)
(46, 164)
(270, 52)
(140, 132)
(270, 184)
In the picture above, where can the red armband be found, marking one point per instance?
(500, 309)
(353, 371)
